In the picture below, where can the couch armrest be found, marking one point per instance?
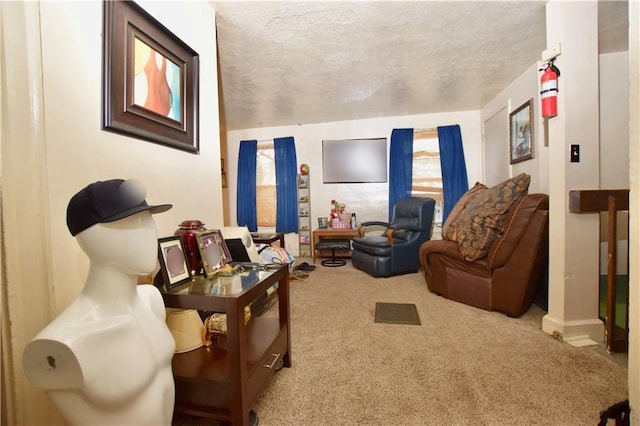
(449, 248)
(515, 284)
(448, 274)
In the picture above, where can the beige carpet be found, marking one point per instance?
(462, 366)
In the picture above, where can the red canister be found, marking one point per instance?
(187, 231)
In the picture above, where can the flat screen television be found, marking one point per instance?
(354, 160)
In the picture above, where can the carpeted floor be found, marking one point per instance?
(461, 366)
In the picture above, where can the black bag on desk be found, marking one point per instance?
(237, 250)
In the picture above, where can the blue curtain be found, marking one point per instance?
(400, 166)
(286, 185)
(454, 170)
(246, 191)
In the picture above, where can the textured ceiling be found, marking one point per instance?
(288, 63)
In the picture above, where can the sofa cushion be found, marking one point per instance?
(448, 232)
(481, 220)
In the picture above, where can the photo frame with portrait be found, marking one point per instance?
(173, 262)
(521, 133)
(214, 251)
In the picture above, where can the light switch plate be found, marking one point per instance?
(575, 153)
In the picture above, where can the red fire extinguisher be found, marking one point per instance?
(549, 90)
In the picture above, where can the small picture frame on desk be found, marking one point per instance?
(322, 222)
(213, 251)
(173, 262)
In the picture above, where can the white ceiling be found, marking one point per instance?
(289, 62)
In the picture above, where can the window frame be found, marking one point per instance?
(264, 219)
(434, 188)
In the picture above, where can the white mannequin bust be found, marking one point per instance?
(106, 359)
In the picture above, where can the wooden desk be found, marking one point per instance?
(331, 234)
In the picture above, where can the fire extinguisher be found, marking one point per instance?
(549, 90)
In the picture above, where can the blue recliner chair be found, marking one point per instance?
(396, 251)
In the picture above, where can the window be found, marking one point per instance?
(426, 180)
(266, 185)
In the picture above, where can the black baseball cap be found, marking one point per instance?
(108, 201)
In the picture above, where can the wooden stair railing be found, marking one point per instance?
(612, 201)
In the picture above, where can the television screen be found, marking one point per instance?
(354, 160)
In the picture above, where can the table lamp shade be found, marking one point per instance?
(186, 327)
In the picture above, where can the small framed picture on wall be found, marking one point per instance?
(521, 133)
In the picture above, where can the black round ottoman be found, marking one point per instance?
(333, 245)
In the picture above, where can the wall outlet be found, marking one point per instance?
(438, 212)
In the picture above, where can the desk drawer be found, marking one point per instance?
(267, 365)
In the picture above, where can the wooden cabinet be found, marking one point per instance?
(223, 381)
(304, 216)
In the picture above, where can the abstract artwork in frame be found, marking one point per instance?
(150, 79)
(521, 133)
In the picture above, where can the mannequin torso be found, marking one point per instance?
(106, 359)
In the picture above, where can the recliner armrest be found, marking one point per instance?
(391, 232)
(371, 223)
(406, 228)
(376, 223)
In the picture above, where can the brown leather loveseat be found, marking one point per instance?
(504, 274)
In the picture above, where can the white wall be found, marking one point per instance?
(496, 147)
(614, 133)
(522, 89)
(79, 152)
(54, 94)
(614, 115)
(368, 201)
(614, 147)
(634, 206)
(614, 120)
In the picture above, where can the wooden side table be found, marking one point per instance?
(223, 381)
(331, 234)
(260, 238)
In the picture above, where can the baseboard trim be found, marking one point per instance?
(576, 333)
